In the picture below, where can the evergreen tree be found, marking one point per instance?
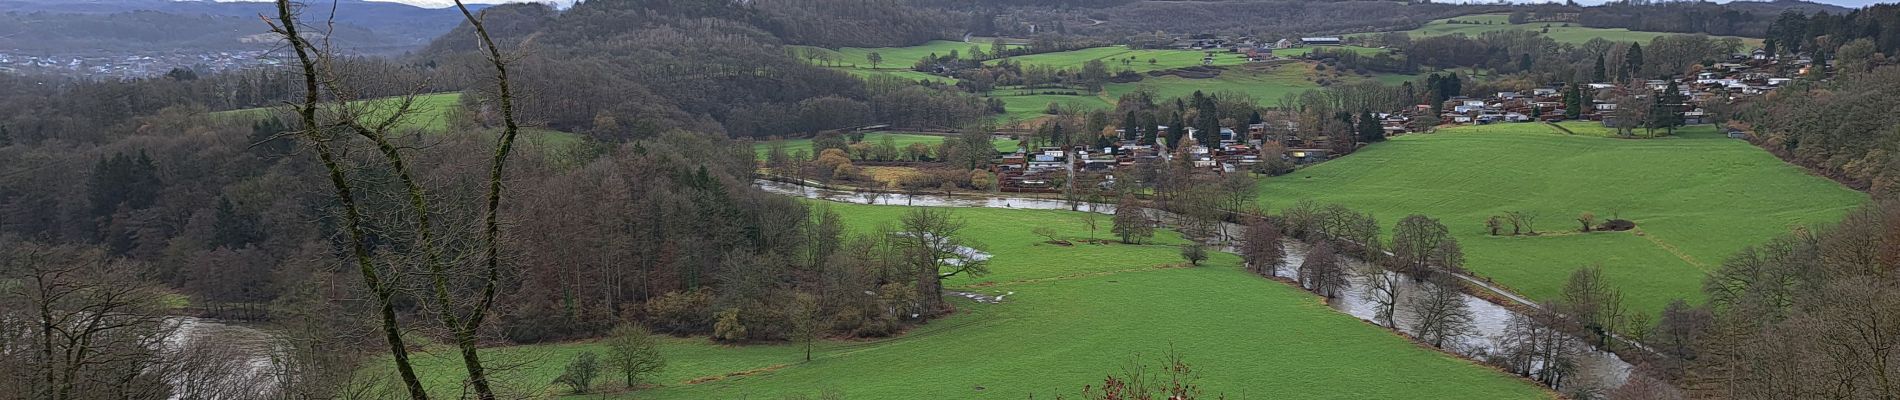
(1130, 130)
(6, 139)
(1207, 122)
(1632, 63)
(122, 180)
(232, 229)
(1573, 101)
(1667, 113)
(1370, 130)
(1176, 130)
(1599, 74)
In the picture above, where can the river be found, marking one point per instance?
(1596, 368)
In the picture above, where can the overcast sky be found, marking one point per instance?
(446, 3)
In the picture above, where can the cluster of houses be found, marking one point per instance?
(1254, 50)
(1046, 169)
(1744, 76)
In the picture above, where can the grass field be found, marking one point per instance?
(1696, 198)
(1300, 51)
(1119, 58)
(902, 140)
(431, 116)
(1027, 105)
(896, 60)
(1573, 34)
(1071, 316)
(1266, 84)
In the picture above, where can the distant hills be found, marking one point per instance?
(117, 26)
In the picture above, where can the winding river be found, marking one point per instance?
(1596, 369)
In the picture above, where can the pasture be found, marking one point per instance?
(430, 116)
(1118, 58)
(1696, 198)
(1573, 33)
(1248, 337)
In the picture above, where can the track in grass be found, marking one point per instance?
(1696, 198)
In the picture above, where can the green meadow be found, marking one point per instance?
(1024, 105)
(1696, 198)
(902, 140)
(1118, 58)
(430, 115)
(1071, 315)
(896, 60)
(1574, 33)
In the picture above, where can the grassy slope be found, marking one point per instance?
(1266, 86)
(897, 60)
(431, 116)
(1696, 200)
(1027, 105)
(1117, 58)
(902, 140)
(1077, 313)
(1574, 34)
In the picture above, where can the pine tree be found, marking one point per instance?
(1370, 130)
(1573, 101)
(1632, 63)
(231, 229)
(1600, 74)
(1207, 122)
(1176, 130)
(1129, 129)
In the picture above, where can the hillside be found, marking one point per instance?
(1562, 32)
(163, 25)
(1696, 199)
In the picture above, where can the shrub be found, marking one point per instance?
(580, 373)
(728, 328)
(681, 312)
(1194, 253)
(632, 352)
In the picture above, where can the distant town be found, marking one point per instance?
(132, 66)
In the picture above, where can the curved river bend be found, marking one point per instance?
(1599, 369)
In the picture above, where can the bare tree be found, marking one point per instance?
(1439, 313)
(1587, 219)
(1385, 288)
(1530, 346)
(371, 122)
(1418, 242)
(86, 325)
(321, 137)
(1590, 300)
(805, 319)
(1262, 248)
(1092, 220)
(1131, 222)
(632, 352)
(1322, 271)
(930, 246)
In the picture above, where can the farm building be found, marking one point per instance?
(1321, 41)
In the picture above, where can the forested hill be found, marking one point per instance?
(165, 25)
(618, 69)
